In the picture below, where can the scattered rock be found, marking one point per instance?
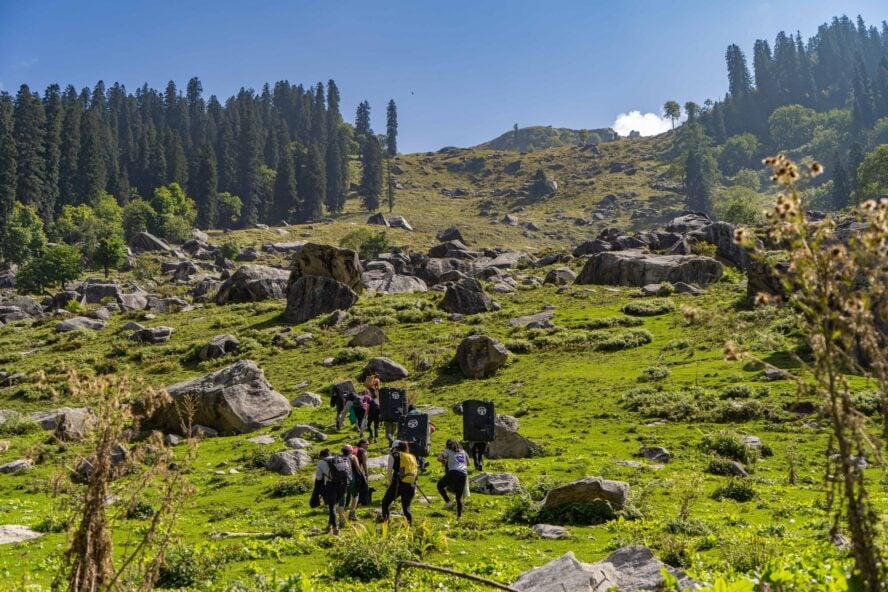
(263, 440)
(630, 569)
(495, 483)
(298, 443)
(307, 399)
(540, 320)
(305, 431)
(251, 283)
(77, 323)
(508, 443)
(16, 466)
(636, 268)
(236, 399)
(14, 533)
(120, 456)
(466, 296)
(218, 347)
(400, 222)
(368, 336)
(153, 335)
(550, 531)
(387, 370)
(450, 234)
(560, 276)
(312, 296)
(772, 373)
(145, 241)
(589, 490)
(656, 454)
(479, 356)
(288, 462)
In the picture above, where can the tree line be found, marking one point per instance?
(171, 160)
(826, 97)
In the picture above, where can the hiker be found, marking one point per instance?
(401, 475)
(359, 491)
(373, 416)
(337, 400)
(322, 474)
(373, 383)
(356, 481)
(347, 409)
(456, 466)
(423, 463)
(360, 407)
(479, 449)
(337, 473)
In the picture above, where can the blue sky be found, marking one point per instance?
(461, 72)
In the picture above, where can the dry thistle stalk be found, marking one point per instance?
(838, 284)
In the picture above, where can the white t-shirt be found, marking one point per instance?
(456, 461)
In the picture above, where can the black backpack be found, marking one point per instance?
(340, 470)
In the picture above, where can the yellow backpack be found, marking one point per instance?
(409, 468)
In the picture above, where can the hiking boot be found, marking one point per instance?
(352, 516)
(449, 505)
(330, 528)
(335, 532)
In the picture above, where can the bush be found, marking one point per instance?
(184, 567)
(738, 490)
(728, 445)
(747, 410)
(365, 557)
(595, 512)
(868, 402)
(607, 323)
(138, 216)
(367, 244)
(230, 249)
(654, 374)
(721, 466)
(290, 487)
(625, 340)
(737, 391)
(140, 510)
(18, 425)
(58, 265)
(351, 354)
(519, 346)
(649, 308)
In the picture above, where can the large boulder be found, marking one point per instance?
(589, 490)
(235, 399)
(495, 483)
(380, 276)
(508, 443)
(14, 533)
(450, 234)
(688, 222)
(386, 369)
(145, 241)
(78, 323)
(400, 222)
(721, 234)
(479, 356)
(560, 276)
(636, 268)
(94, 292)
(591, 247)
(307, 399)
(630, 569)
(26, 304)
(251, 283)
(540, 320)
(328, 261)
(368, 336)
(467, 296)
(312, 296)
(153, 335)
(288, 462)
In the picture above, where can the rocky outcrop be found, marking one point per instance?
(236, 399)
(328, 261)
(380, 276)
(288, 462)
(560, 276)
(251, 283)
(637, 268)
(153, 335)
(479, 356)
(78, 323)
(368, 336)
(145, 241)
(630, 569)
(589, 490)
(467, 296)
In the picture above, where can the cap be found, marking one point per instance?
(347, 449)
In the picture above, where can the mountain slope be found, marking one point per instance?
(537, 137)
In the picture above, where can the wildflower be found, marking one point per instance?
(816, 169)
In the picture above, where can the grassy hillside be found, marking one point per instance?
(589, 410)
(471, 188)
(538, 137)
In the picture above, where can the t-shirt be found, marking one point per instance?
(456, 461)
(322, 472)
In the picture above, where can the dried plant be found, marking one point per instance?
(836, 281)
(149, 469)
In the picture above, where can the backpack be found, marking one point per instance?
(340, 470)
(408, 468)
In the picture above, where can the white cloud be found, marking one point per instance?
(647, 124)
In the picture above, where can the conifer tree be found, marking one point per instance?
(69, 158)
(362, 121)
(841, 189)
(391, 128)
(248, 166)
(52, 104)
(206, 189)
(286, 196)
(311, 184)
(7, 170)
(335, 194)
(390, 184)
(319, 123)
(29, 133)
(91, 161)
(739, 80)
(698, 184)
(371, 175)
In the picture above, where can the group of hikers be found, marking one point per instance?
(342, 481)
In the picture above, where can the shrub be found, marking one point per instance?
(351, 354)
(625, 340)
(230, 249)
(18, 425)
(648, 308)
(738, 490)
(595, 512)
(737, 391)
(58, 265)
(140, 510)
(367, 244)
(365, 557)
(289, 487)
(184, 567)
(721, 466)
(728, 445)
(607, 323)
(868, 402)
(518, 346)
(53, 523)
(259, 458)
(703, 249)
(740, 411)
(654, 374)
